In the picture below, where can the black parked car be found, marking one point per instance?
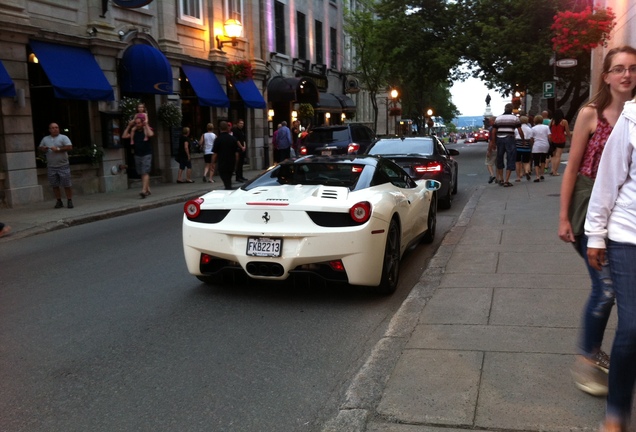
(351, 138)
(422, 157)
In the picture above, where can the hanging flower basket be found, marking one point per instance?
(128, 107)
(170, 115)
(395, 111)
(239, 70)
(305, 111)
(579, 32)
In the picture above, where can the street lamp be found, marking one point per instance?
(394, 94)
(429, 120)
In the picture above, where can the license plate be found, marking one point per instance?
(326, 153)
(264, 246)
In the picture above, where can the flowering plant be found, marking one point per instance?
(238, 70)
(169, 115)
(128, 106)
(579, 32)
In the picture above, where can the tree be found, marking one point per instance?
(365, 33)
(508, 45)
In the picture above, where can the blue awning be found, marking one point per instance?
(206, 86)
(145, 70)
(250, 94)
(7, 89)
(73, 72)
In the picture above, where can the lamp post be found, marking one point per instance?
(394, 94)
(429, 120)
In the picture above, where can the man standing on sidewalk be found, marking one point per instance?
(239, 133)
(226, 152)
(503, 135)
(56, 146)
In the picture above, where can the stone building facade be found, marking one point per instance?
(74, 61)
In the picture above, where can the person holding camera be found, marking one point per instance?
(140, 133)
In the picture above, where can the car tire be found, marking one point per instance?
(391, 261)
(431, 220)
(455, 185)
(445, 203)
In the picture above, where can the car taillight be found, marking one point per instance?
(337, 265)
(353, 148)
(428, 167)
(192, 208)
(302, 150)
(360, 212)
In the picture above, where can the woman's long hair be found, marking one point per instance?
(603, 97)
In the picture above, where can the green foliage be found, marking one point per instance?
(128, 106)
(169, 115)
(305, 111)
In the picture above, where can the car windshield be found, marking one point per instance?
(329, 174)
(326, 136)
(420, 146)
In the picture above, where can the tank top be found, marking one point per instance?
(594, 148)
(558, 133)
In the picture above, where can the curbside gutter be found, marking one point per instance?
(366, 389)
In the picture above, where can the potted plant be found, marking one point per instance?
(305, 111)
(169, 115)
(240, 70)
(128, 107)
(577, 33)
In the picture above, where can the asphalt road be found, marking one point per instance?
(103, 329)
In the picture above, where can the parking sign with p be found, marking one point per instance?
(548, 89)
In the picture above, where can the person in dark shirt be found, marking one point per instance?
(238, 132)
(226, 153)
(140, 133)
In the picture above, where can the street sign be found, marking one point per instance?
(566, 63)
(548, 89)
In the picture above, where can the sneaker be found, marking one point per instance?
(491, 179)
(59, 204)
(588, 377)
(601, 360)
(69, 204)
(205, 179)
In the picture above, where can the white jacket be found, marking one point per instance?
(612, 209)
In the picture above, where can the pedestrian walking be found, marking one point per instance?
(239, 133)
(611, 229)
(225, 153)
(185, 158)
(595, 122)
(208, 142)
(491, 153)
(503, 133)
(56, 147)
(284, 142)
(524, 150)
(560, 133)
(540, 146)
(140, 132)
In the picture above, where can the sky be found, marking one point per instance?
(470, 98)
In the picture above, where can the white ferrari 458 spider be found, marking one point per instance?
(343, 218)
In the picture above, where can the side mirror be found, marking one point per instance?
(433, 185)
(453, 152)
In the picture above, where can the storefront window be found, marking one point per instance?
(71, 115)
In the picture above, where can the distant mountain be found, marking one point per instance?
(469, 121)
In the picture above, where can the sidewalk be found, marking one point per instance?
(485, 340)
(41, 217)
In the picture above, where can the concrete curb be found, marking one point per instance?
(366, 388)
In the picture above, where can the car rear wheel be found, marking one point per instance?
(455, 185)
(431, 221)
(391, 263)
(445, 202)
